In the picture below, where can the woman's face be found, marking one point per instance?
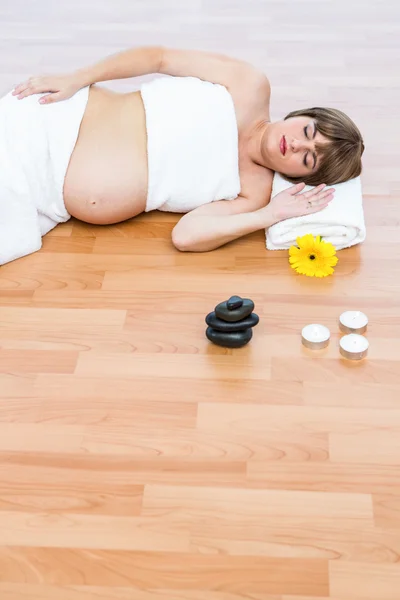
(289, 146)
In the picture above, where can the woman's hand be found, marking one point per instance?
(291, 203)
(60, 88)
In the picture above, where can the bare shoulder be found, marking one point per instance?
(250, 86)
(251, 94)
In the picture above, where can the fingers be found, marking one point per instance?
(320, 197)
(318, 203)
(34, 85)
(27, 92)
(49, 98)
(310, 194)
(22, 88)
(318, 207)
(327, 192)
(317, 194)
(296, 188)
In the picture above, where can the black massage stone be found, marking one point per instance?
(234, 309)
(231, 323)
(234, 302)
(220, 325)
(235, 339)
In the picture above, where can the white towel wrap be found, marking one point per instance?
(192, 139)
(36, 143)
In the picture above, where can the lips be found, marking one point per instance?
(283, 145)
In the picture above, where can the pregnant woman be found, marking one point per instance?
(196, 139)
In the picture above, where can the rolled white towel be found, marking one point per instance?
(341, 223)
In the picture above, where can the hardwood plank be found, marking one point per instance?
(188, 445)
(352, 395)
(17, 591)
(127, 473)
(299, 538)
(309, 369)
(161, 570)
(357, 582)
(11, 591)
(255, 418)
(387, 511)
(16, 386)
(30, 320)
(253, 504)
(15, 297)
(40, 437)
(173, 365)
(65, 244)
(50, 280)
(324, 476)
(59, 483)
(48, 408)
(37, 361)
(91, 532)
(377, 447)
(172, 391)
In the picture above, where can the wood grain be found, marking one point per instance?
(166, 570)
(139, 462)
(377, 579)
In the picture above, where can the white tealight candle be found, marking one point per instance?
(354, 346)
(315, 336)
(353, 321)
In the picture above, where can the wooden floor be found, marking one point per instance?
(139, 462)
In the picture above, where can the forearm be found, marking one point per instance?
(130, 63)
(205, 233)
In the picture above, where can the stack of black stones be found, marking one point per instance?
(231, 323)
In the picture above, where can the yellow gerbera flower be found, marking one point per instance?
(313, 257)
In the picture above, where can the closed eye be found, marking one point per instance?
(314, 156)
(314, 133)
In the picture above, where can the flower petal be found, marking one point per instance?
(323, 256)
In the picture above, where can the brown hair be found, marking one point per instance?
(341, 158)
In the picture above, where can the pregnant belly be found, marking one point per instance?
(106, 180)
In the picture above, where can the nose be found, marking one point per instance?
(299, 145)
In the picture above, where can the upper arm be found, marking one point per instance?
(215, 68)
(227, 207)
(255, 194)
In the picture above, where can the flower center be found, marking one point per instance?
(312, 257)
